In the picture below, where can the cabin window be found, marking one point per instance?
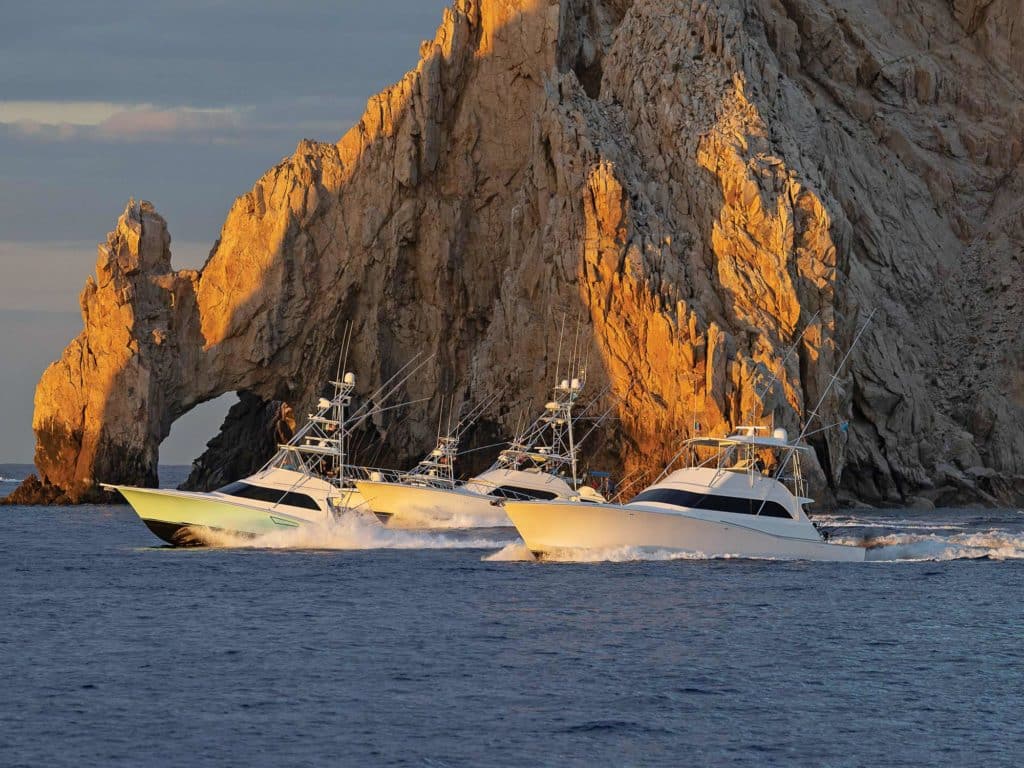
(515, 492)
(270, 495)
(734, 504)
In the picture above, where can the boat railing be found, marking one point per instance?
(382, 475)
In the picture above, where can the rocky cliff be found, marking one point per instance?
(705, 183)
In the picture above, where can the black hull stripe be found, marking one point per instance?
(183, 535)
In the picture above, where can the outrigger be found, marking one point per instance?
(539, 464)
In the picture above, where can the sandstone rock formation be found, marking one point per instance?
(704, 183)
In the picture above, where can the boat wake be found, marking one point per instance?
(962, 535)
(625, 555)
(353, 533)
(518, 552)
(901, 547)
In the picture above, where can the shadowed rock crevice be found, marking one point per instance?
(586, 32)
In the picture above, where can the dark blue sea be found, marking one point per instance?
(424, 650)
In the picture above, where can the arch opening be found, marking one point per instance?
(249, 431)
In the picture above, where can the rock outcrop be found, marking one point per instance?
(705, 184)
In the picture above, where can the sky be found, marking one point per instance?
(185, 104)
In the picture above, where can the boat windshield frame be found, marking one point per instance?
(741, 453)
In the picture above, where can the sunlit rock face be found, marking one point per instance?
(721, 192)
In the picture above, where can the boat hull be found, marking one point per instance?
(182, 518)
(410, 506)
(548, 527)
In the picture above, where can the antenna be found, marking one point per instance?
(835, 375)
(558, 360)
(346, 341)
(440, 417)
(575, 348)
(573, 391)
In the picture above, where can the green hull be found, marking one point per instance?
(179, 517)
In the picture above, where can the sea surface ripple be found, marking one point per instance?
(120, 652)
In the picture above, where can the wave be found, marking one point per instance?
(896, 547)
(514, 552)
(935, 525)
(626, 555)
(517, 552)
(351, 533)
(9, 479)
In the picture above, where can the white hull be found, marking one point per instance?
(411, 506)
(183, 517)
(551, 526)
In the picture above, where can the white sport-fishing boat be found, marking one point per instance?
(306, 483)
(721, 504)
(540, 464)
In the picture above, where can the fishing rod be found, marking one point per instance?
(785, 359)
(390, 387)
(821, 401)
(792, 348)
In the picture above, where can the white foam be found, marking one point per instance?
(880, 522)
(993, 544)
(516, 552)
(626, 555)
(454, 521)
(350, 533)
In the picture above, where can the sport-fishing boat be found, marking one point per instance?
(741, 495)
(305, 483)
(533, 466)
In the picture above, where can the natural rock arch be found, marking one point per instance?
(740, 170)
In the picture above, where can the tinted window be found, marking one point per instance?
(515, 492)
(270, 495)
(735, 504)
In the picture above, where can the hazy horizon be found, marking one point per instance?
(96, 109)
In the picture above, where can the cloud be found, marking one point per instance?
(49, 275)
(105, 121)
(147, 121)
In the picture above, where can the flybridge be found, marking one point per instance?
(742, 451)
(549, 443)
(319, 448)
(779, 438)
(438, 466)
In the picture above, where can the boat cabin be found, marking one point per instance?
(748, 473)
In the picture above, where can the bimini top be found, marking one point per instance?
(748, 436)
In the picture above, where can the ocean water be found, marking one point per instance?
(454, 649)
